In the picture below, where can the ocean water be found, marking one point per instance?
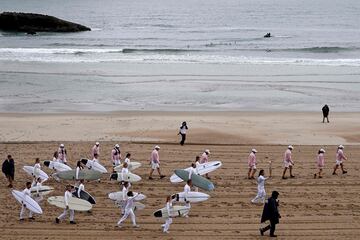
(153, 39)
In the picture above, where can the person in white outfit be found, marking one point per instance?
(81, 187)
(25, 192)
(187, 189)
(129, 210)
(204, 159)
(95, 150)
(37, 168)
(127, 158)
(116, 155)
(67, 196)
(261, 194)
(194, 170)
(62, 154)
(79, 167)
(168, 220)
(125, 190)
(37, 196)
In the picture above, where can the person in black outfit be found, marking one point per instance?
(182, 132)
(271, 213)
(325, 111)
(8, 168)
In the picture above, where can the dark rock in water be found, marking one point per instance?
(32, 23)
(267, 35)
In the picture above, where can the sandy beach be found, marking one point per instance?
(311, 208)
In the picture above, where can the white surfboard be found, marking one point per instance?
(30, 203)
(76, 204)
(90, 164)
(202, 169)
(175, 211)
(132, 166)
(136, 206)
(190, 197)
(118, 196)
(43, 190)
(127, 177)
(30, 170)
(58, 166)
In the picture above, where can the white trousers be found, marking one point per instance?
(64, 214)
(22, 212)
(127, 213)
(261, 195)
(167, 224)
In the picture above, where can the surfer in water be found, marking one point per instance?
(261, 194)
(155, 162)
(25, 192)
(340, 156)
(320, 163)
(129, 210)
(267, 35)
(288, 162)
(67, 196)
(252, 164)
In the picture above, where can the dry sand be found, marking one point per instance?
(325, 208)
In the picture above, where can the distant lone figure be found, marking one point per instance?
(182, 132)
(8, 168)
(271, 213)
(267, 35)
(325, 111)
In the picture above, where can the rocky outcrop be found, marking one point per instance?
(32, 23)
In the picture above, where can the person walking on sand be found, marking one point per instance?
(325, 110)
(116, 155)
(96, 159)
(182, 132)
(95, 150)
(155, 162)
(67, 196)
(204, 159)
(252, 164)
(62, 154)
(56, 157)
(320, 163)
(271, 213)
(36, 169)
(127, 158)
(25, 192)
(8, 168)
(288, 162)
(79, 167)
(261, 194)
(125, 189)
(37, 195)
(168, 220)
(129, 210)
(340, 157)
(187, 189)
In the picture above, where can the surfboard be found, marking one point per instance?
(43, 190)
(197, 180)
(84, 195)
(30, 203)
(58, 166)
(76, 204)
(132, 166)
(127, 177)
(191, 197)
(175, 211)
(90, 164)
(118, 196)
(30, 170)
(85, 174)
(202, 170)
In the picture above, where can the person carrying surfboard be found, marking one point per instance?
(252, 163)
(37, 168)
(67, 196)
(127, 158)
(116, 155)
(168, 220)
(37, 196)
(95, 150)
(129, 210)
(79, 167)
(340, 156)
(62, 154)
(25, 192)
(8, 168)
(320, 163)
(187, 189)
(261, 194)
(288, 162)
(96, 158)
(125, 189)
(155, 162)
(204, 159)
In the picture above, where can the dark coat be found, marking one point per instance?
(325, 110)
(270, 211)
(8, 167)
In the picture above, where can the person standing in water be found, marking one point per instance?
(288, 162)
(320, 163)
(261, 194)
(252, 164)
(340, 157)
(182, 132)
